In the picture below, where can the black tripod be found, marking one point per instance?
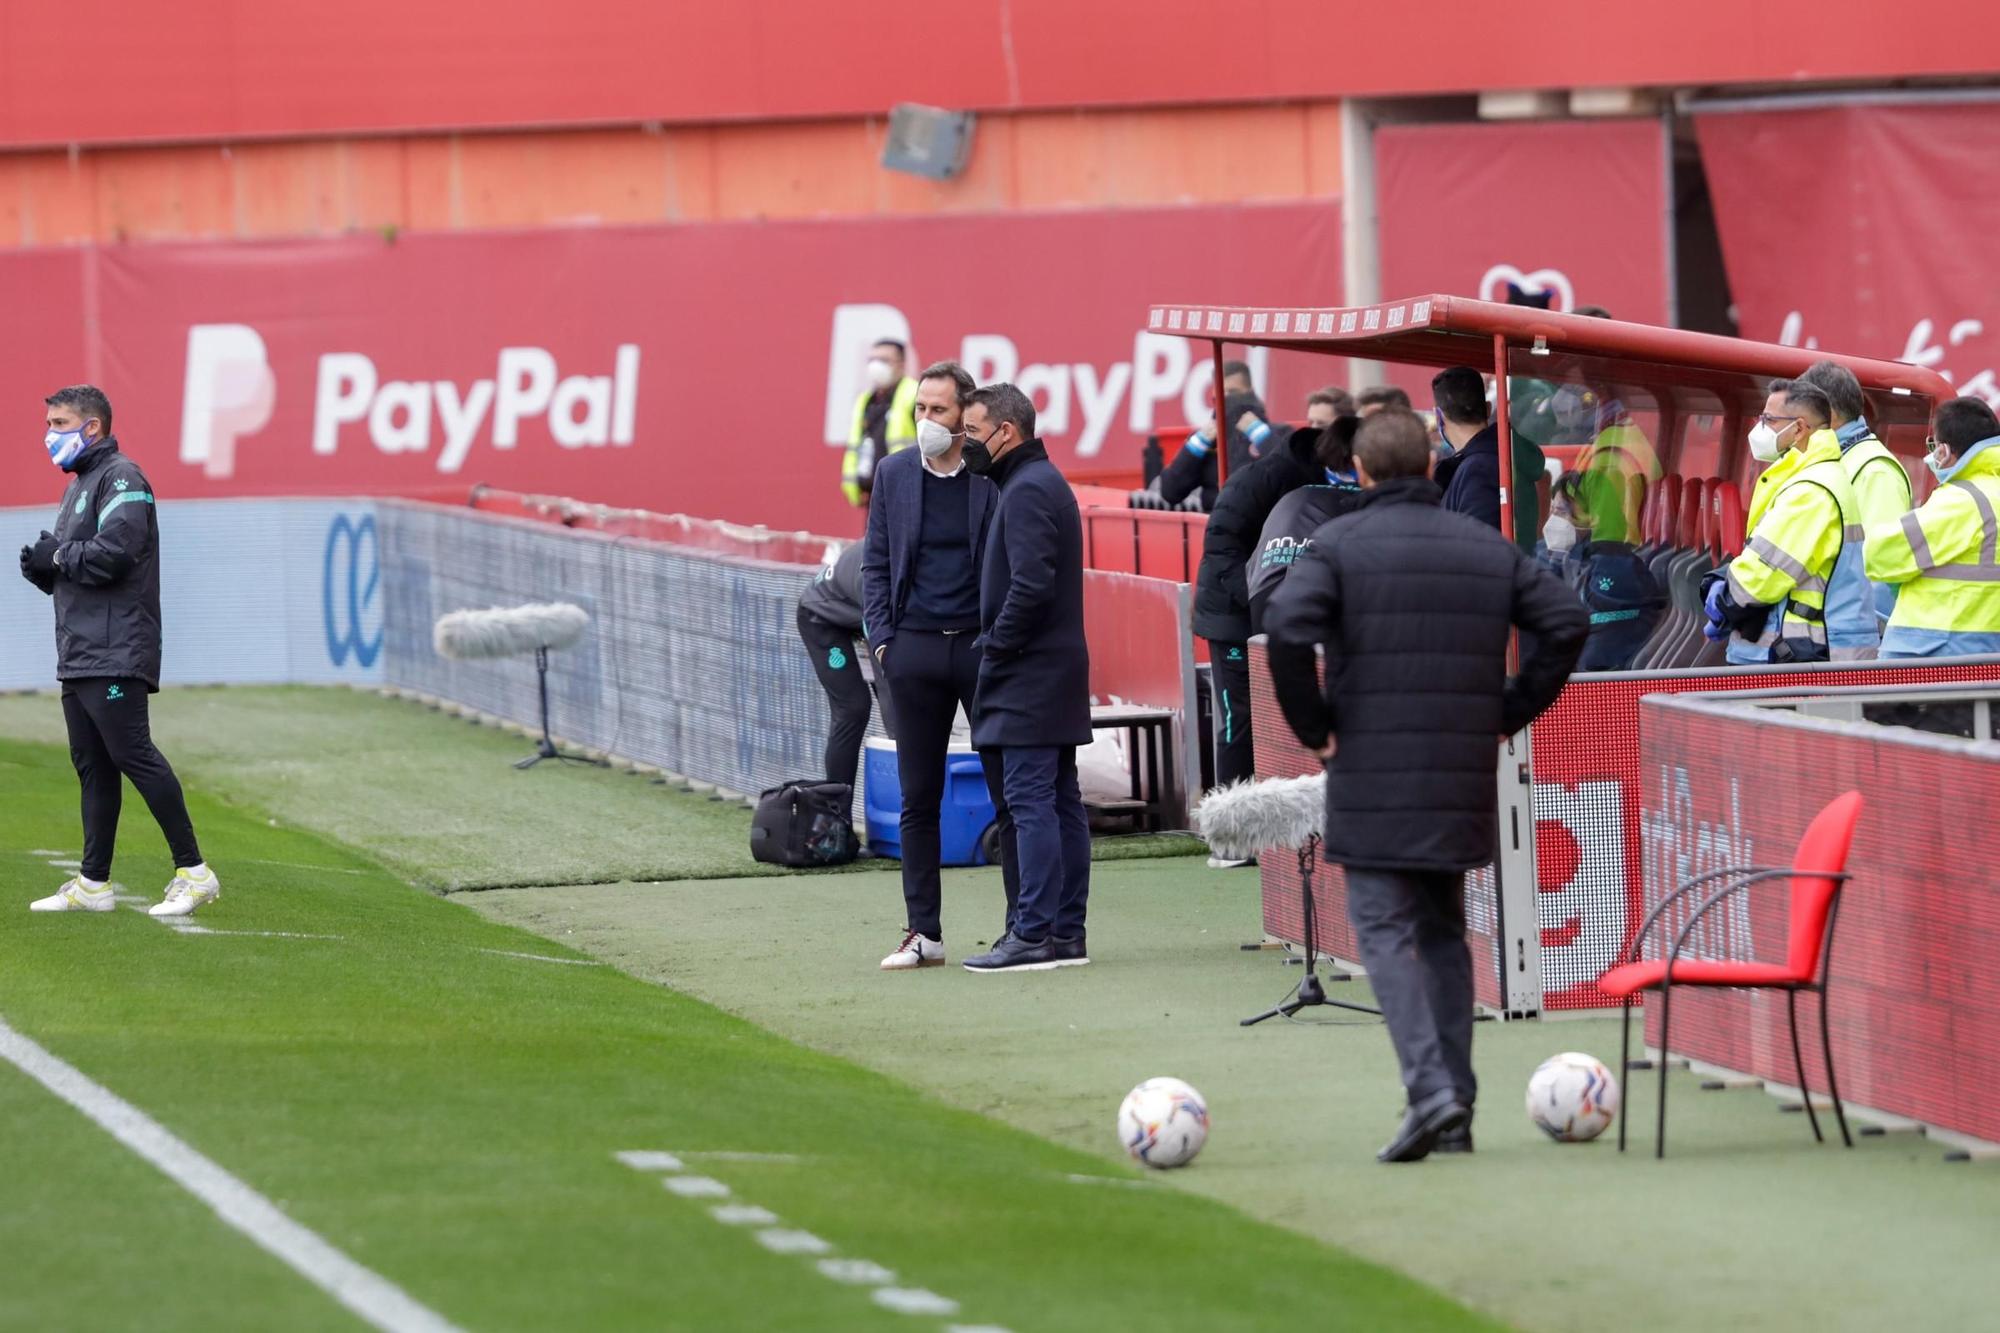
(545, 748)
(1309, 991)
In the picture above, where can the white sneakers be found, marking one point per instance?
(76, 896)
(191, 889)
(915, 951)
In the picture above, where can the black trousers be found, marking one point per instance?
(835, 654)
(932, 675)
(1411, 928)
(1229, 674)
(111, 737)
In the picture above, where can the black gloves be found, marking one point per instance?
(38, 563)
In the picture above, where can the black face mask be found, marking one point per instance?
(978, 458)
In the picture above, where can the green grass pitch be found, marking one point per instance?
(446, 1113)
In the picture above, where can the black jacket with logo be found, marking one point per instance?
(835, 596)
(1413, 605)
(1288, 534)
(1222, 591)
(107, 585)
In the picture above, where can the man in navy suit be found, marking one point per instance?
(927, 526)
(1033, 707)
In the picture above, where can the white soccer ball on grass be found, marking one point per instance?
(1163, 1123)
(1572, 1097)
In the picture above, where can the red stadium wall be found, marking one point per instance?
(635, 174)
(1915, 978)
(221, 69)
(1895, 264)
(700, 369)
(1594, 866)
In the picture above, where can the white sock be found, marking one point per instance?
(196, 871)
(92, 884)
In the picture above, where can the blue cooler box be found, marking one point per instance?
(964, 815)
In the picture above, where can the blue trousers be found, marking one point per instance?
(1052, 839)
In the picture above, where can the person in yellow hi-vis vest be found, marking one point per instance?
(1944, 557)
(885, 420)
(1857, 607)
(1771, 600)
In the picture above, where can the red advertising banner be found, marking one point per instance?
(710, 369)
(1883, 253)
(223, 69)
(1574, 208)
(1913, 997)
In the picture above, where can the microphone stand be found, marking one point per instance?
(546, 747)
(1309, 991)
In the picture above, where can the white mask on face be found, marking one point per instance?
(880, 373)
(1764, 446)
(1559, 533)
(933, 438)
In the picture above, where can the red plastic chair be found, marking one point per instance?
(1817, 872)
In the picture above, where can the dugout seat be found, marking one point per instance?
(1817, 872)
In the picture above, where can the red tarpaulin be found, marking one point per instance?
(699, 368)
(1574, 207)
(1861, 227)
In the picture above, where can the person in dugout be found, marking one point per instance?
(1288, 532)
(1193, 471)
(1769, 603)
(830, 626)
(1882, 495)
(1623, 598)
(1943, 558)
(1222, 594)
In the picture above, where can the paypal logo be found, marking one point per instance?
(228, 394)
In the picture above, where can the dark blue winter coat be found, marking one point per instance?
(1034, 669)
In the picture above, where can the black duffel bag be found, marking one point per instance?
(804, 824)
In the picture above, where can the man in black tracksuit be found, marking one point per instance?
(1222, 593)
(1413, 605)
(830, 625)
(102, 566)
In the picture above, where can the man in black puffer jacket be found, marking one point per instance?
(1413, 606)
(1222, 589)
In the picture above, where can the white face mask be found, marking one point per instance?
(1559, 533)
(1764, 446)
(880, 373)
(933, 438)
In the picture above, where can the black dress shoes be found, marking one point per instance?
(1455, 1140)
(1422, 1129)
(1014, 954)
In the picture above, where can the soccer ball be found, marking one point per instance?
(1163, 1122)
(1572, 1097)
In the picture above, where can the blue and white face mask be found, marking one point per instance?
(65, 446)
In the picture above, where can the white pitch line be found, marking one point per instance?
(781, 1240)
(62, 864)
(297, 865)
(368, 1294)
(544, 958)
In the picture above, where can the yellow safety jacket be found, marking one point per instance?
(1945, 557)
(1798, 522)
(857, 469)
